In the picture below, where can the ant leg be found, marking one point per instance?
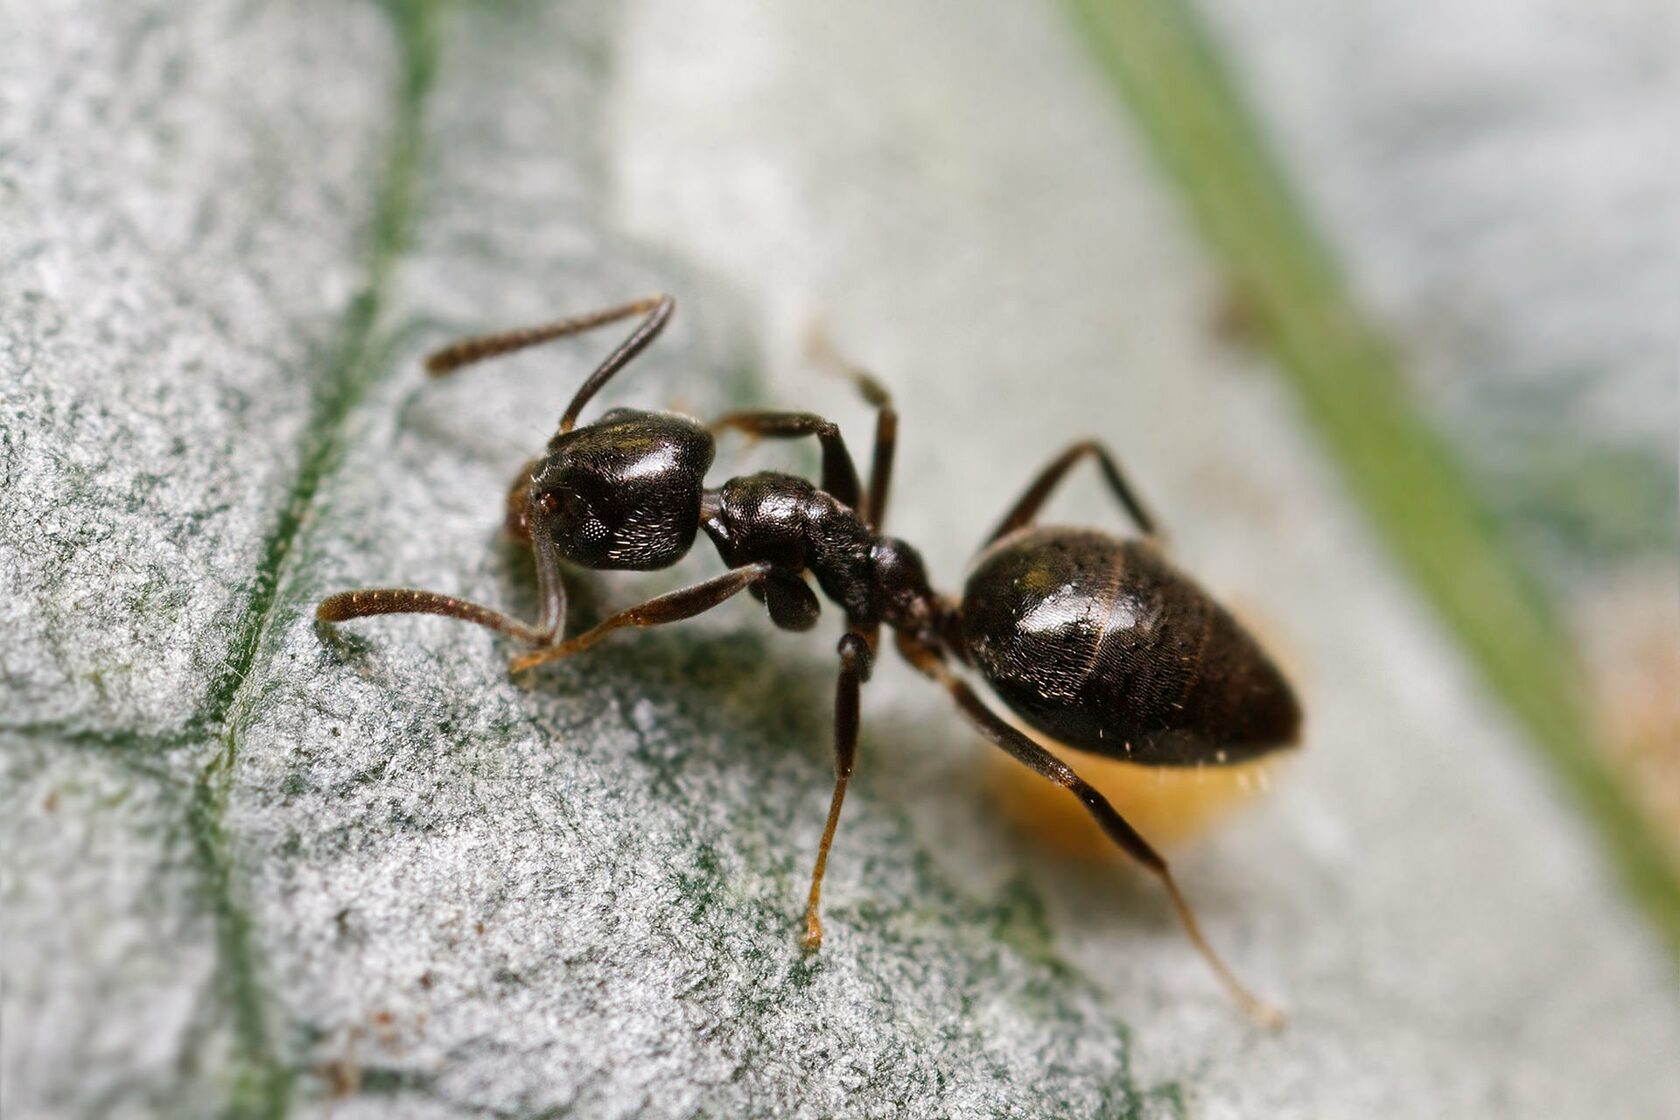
(1026, 508)
(886, 445)
(874, 510)
(839, 474)
(1125, 837)
(856, 661)
(347, 605)
(673, 607)
(469, 350)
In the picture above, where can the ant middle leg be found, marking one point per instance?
(932, 664)
(672, 607)
(856, 660)
(1028, 505)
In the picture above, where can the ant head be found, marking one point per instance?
(623, 492)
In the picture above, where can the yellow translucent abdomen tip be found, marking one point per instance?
(1168, 805)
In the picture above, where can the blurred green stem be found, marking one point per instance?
(1349, 382)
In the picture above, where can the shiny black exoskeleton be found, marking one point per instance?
(1096, 641)
(1103, 645)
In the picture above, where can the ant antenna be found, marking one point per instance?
(480, 347)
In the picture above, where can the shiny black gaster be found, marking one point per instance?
(1105, 646)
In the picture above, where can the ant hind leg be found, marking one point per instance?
(1038, 492)
(930, 663)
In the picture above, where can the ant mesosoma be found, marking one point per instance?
(1096, 641)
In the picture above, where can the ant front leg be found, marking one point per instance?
(839, 473)
(1027, 506)
(673, 607)
(874, 508)
(932, 664)
(886, 446)
(347, 605)
(856, 660)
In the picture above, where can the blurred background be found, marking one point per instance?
(1377, 304)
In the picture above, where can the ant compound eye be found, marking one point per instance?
(564, 508)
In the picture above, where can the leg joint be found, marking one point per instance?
(855, 653)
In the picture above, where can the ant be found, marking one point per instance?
(1093, 640)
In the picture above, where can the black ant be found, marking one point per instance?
(1096, 641)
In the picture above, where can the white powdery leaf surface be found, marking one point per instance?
(107, 995)
(185, 195)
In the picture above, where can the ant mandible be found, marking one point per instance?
(1096, 641)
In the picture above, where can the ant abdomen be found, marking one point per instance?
(1102, 644)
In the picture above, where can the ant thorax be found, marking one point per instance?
(783, 520)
